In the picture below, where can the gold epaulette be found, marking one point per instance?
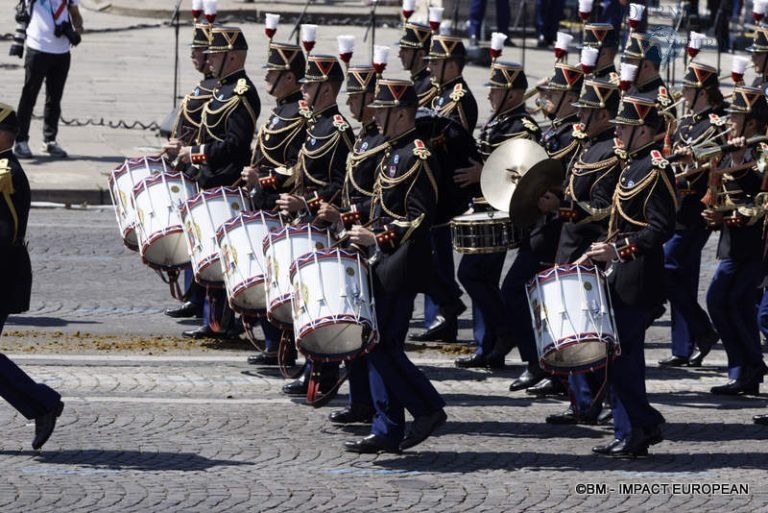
(242, 87)
(663, 97)
(340, 123)
(420, 149)
(658, 160)
(530, 125)
(578, 131)
(716, 120)
(458, 92)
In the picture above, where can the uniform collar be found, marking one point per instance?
(370, 128)
(291, 98)
(328, 111)
(420, 75)
(446, 85)
(644, 151)
(232, 77)
(395, 141)
(6, 153)
(518, 109)
(605, 135)
(558, 123)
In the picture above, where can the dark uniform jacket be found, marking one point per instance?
(643, 216)
(694, 129)
(425, 89)
(656, 90)
(226, 132)
(322, 159)
(741, 233)
(403, 207)
(588, 192)
(15, 270)
(454, 100)
(362, 168)
(514, 123)
(187, 123)
(558, 140)
(277, 147)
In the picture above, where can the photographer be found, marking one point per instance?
(52, 27)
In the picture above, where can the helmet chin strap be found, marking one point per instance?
(273, 86)
(362, 108)
(503, 102)
(314, 96)
(221, 66)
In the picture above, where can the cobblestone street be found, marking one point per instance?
(197, 429)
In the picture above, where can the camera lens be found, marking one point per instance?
(17, 46)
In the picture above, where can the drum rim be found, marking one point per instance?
(323, 254)
(272, 237)
(568, 270)
(152, 179)
(247, 217)
(192, 202)
(493, 220)
(365, 347)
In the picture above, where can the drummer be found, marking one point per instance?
(319, 173)
(642, 216)
(362, 165)
(759, 51)
(185, 129)
(414, 47)
(277, 150)
(455, 101)
(538, 248)
(480, 273)
(588, 192)
(403, 207)
(692, 332)
(223, 143)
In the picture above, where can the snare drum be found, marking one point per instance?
(484, 232)
(333, 315)
(280, 250)
(572, 319)
(242, 258)
(122, 181)
(201, 216)
(160, 235)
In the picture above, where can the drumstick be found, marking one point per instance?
(345, 238)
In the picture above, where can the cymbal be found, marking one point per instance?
(504, 168)
(541, 177)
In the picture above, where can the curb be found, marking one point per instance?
(72, 196)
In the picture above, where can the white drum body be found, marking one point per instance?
(160, 235)
(201, 216)
(333, 314)
(484, 232)
(572, 319)
(122, 181)
(280, 250)
(242, 258)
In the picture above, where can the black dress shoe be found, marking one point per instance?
(188, 309)
(442, 330)
(201, 332)
(296, 387)
(352, 414)
(638, 442)
(674, 361)
(44, 426)
(263, 358)
(371, 444)
(567, 417)
(422, 427)
(736, 387)
(607, 449)
(761, 419)
(525, 380)
(703, 347)
(545, 387)
(476, 361)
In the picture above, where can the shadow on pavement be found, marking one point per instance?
(44, 322)
(97, 459)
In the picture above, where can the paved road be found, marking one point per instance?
(199, 430)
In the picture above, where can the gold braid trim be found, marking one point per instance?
(563, 152)
(261, 144)
(354, 159)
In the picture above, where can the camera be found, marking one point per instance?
(65, 29)
(20, 35)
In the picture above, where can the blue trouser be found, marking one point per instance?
(272, 334)
(525, 267)
(477, 13)
(682, 263)
(584, 389)
(195, 293)
(359, 383)
(762, 314)
(480, 275)
(627, 374)
(548, 16)
(396, 383)
(215, 299)
(29, 398)
(442, 289)
(731, 301)
(612, 12)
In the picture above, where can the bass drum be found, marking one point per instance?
(453, 148)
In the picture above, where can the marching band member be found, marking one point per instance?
(453, 100)
(589, 187)
(643, 51)
(559, 94)
(691, 327)
(319, 173)
(223, 142)
(277, 150)
(643, 213)
(357, 194)
(185, 128)
(480, 274)
(414, 47)
(759, 51)
(403, 206)
(732, 295)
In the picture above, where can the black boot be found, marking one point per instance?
(186, 310)
(442, 329)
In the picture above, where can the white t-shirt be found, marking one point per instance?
(40, 32)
